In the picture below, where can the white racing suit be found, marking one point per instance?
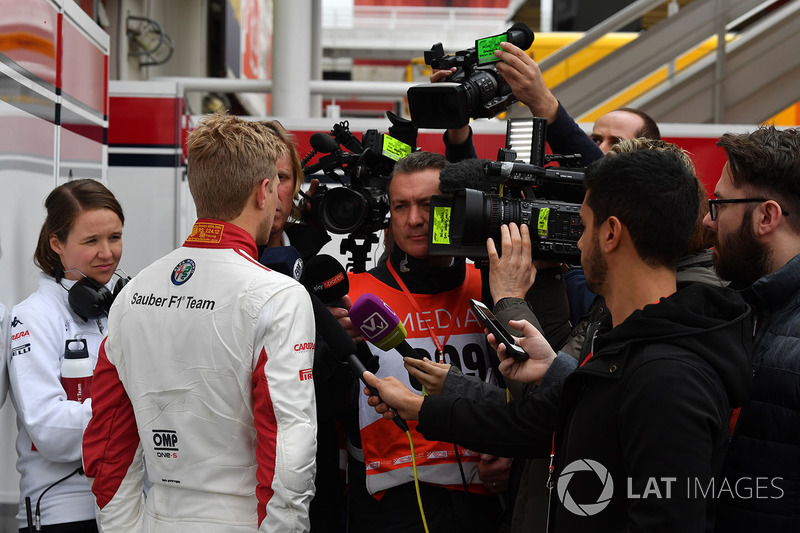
(212, 354)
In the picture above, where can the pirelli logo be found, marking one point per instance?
(305, 374)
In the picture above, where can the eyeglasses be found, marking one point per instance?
(713, 205)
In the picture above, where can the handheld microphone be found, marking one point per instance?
(325, 278)
(380, 325)
(342, 347)
(283, 259)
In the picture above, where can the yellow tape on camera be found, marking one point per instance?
(544, 220)
(395, 149)
(441, 225)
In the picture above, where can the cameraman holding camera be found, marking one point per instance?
(433, 292)
(564, 135)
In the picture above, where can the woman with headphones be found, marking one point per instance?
(79, 248)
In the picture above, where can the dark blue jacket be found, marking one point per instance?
(765, 446)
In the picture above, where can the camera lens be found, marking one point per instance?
(343, 210)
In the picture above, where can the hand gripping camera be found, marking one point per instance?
(475, 90)
(547, 199)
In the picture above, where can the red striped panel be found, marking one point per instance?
(266, 436)
(28, 33)
(144, 121)
(110, 441)
(82, 68)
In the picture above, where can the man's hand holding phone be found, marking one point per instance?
(540, 354)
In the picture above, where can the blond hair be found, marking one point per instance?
(227, 158)
(277, 129)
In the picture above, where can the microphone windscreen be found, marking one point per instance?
(468, 174)
(283, 259)
(325, 278)
(377, 322)
(323, 143)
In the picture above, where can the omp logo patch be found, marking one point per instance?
(165, 443)
(305, 374)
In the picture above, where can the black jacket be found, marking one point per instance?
(653, 402)
(764, 453)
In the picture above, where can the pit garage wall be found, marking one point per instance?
(146, 170)
(53, 109)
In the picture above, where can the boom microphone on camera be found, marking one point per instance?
(380, 325)
(323, 143)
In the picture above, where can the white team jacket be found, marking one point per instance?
(50, 426)
(212, 354)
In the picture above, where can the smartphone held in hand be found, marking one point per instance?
(496, 328)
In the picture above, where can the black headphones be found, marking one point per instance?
(89, 298)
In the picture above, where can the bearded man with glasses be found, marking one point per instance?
(755, 219)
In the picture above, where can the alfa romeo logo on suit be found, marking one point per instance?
(585, 509)
(183, 272)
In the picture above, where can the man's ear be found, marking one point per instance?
(610, 234)
(767, 217)
(262, 193)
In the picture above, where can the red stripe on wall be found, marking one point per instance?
(59, 51)
(145, 121)
(105, 86)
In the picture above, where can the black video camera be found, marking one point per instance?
(361, 205)
(474, 90)
(547, 199)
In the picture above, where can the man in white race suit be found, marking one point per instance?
(206, 371)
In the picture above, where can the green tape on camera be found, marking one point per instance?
(394, 149)
(544, 220)
(441, 225)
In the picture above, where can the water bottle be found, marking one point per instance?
(76, 371)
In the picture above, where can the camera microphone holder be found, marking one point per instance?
(357, 246)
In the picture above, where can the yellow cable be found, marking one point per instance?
(416, 482)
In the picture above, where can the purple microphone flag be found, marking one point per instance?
(377, 322)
